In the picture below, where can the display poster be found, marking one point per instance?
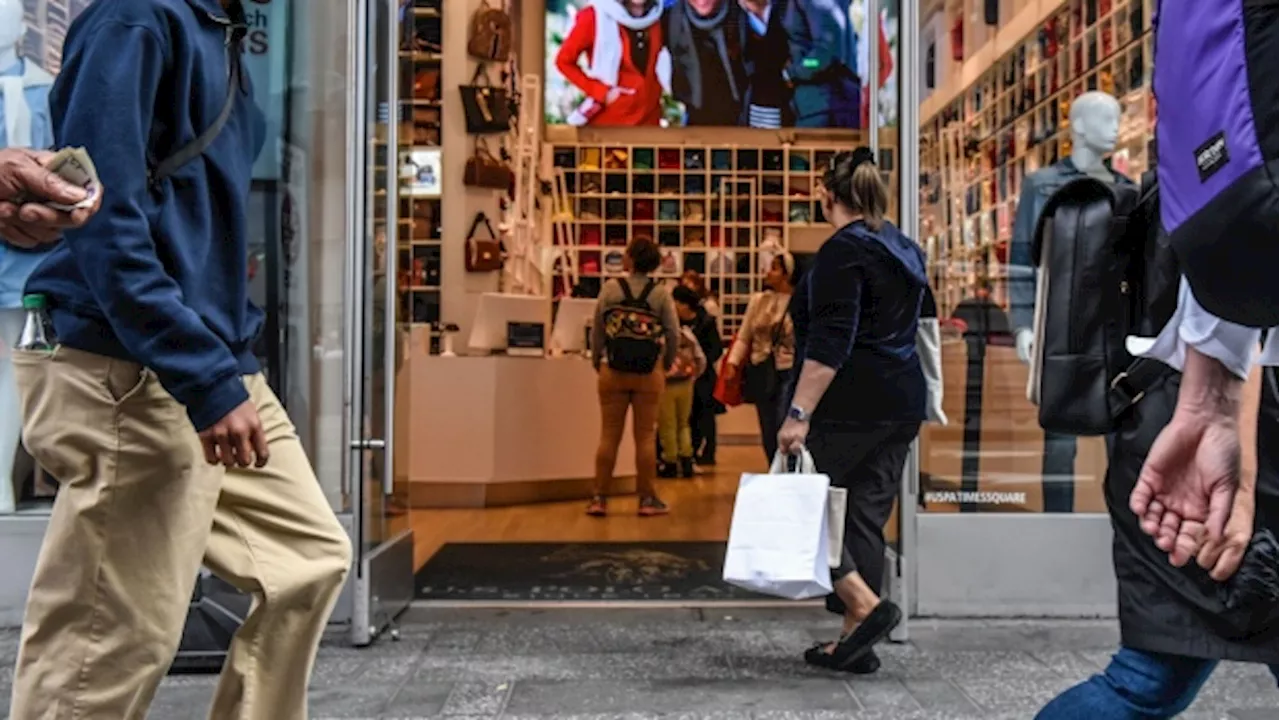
(420, 173)
(747, 63)
(265, 56)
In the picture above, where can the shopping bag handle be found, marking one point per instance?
(804, 464)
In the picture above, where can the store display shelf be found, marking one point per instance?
(722, 210)
(1013, 120)
(419, 163)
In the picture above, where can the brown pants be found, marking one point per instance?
(139, 510)
(619, 391)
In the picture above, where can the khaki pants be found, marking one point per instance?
(618, 392)
(673, 420)
(139, 510)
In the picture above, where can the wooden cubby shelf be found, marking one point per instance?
(724, 211)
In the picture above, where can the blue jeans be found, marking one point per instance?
(1137, 685)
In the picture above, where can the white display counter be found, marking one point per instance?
(499, 430)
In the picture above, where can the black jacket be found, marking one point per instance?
(708, 335)
(1177, 610)
(857, 311)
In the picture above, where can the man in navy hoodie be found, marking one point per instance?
(152, 412)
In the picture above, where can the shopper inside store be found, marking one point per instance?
(582, 358)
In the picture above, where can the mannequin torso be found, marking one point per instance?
(1095, 122)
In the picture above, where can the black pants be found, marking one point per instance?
(867, 460)
(769, 413)
(702, 423)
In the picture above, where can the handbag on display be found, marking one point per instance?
(491, 33)
(483, 254)
(426, 85)
(485, 106)
(426, 126)
(486, 170)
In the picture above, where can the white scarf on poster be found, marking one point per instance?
(606, 52)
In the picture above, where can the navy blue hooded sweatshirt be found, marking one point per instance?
(857, 311)
(159, 276)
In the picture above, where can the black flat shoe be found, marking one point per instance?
(869, 633)
(819, 657)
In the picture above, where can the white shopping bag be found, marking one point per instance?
(779, 538)
(837, 506)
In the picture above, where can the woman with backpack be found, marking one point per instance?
(763, 351)
(634, 341)
(858, 394)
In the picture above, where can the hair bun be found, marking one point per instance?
(863, 155)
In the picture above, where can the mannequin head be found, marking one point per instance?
(12, 28)
(1095, 123)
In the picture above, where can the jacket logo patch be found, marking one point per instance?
(1212, 156)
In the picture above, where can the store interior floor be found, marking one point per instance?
(700, 511)
(555, 551)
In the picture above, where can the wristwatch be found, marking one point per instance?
(798, 413)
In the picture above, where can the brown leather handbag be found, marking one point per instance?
(486, 170)
(491, 33)
(483, 254)
(426, 85)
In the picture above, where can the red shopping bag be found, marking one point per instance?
(729, 394)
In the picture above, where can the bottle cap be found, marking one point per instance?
(34, 301)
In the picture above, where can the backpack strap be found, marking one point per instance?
(196, 147)
(1132, 385)
(627, 297)
(644, 294)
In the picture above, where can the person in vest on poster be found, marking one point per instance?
(151, 410)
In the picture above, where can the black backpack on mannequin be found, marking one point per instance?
(1106, 271)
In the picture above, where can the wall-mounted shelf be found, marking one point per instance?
(1013, 121)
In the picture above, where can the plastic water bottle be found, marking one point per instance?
(37, 332)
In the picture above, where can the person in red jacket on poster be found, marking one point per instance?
(622, 40)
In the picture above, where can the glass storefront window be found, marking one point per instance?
(298, 211)
(980, 144)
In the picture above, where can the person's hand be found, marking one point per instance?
(731, 373)
(237, 440)
(792, 436)
(1222, 557)
(25, 221)
(1024, 341)
(616, 92)
(1187, 486)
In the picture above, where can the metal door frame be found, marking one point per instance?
(383, 575)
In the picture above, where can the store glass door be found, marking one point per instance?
(383, 583)
(999, 518)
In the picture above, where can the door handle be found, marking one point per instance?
(369, 444)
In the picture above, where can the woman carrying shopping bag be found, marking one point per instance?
(763, 352)
(859, 394)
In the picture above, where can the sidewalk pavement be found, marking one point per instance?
(717, 664)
